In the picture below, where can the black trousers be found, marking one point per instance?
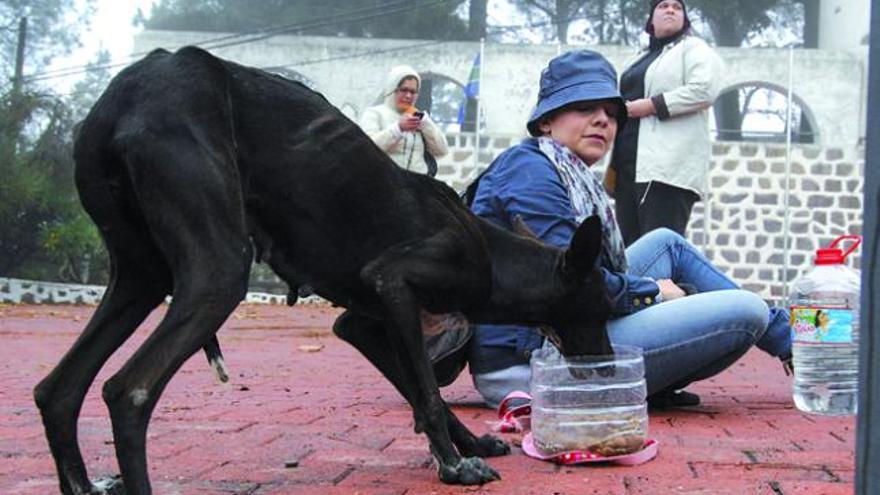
(641, 207)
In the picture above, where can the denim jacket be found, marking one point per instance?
(522, 181)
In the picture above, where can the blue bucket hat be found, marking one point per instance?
(582, 75)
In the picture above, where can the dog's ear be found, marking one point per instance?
(522, 228)
(585, 247)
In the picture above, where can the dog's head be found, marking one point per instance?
(579, 317)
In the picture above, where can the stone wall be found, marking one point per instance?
(745, 236)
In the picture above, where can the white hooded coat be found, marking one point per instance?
(407, 149)
(677, 150)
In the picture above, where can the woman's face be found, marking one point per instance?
(668, 18)
(822, 320)
(406, 93)
(587, 128)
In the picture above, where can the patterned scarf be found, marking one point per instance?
(587, 197)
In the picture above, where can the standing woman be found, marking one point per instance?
(661, 156)
(399, 128)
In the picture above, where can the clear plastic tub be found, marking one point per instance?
(589, 403)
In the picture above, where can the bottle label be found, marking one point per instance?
(821, 325)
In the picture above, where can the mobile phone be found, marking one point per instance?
(419, 114)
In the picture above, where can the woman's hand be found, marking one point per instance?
(409, 123)
(669, 290)
(640, 108)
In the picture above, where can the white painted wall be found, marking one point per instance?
(830, 82)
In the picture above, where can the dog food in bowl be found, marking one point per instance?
(589, 403)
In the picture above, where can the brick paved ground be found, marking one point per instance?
(297, 420)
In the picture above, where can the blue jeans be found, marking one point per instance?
(686, 339)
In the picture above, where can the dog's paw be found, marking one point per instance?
(468, 471)
(108, 486)
(489, 446)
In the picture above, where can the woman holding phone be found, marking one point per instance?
(402, 131)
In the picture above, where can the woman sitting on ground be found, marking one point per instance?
(546, 180)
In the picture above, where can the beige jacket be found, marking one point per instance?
(405, 148)
(676, 150)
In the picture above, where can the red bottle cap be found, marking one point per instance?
(836, 256)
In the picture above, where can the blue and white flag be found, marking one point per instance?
(471, 89)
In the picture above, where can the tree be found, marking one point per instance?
(810, 33)
(42, 226)
(630, 21)
(599, 11)
(87, 90)
(615, 21)
(53, 30)
(476, 19)
(43, 231)
(731, 21)
(561, 13)
(71, 241)
(427, 19)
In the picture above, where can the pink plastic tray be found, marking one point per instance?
(648, 452)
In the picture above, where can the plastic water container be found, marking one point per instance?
(825, 330)
(589, 403)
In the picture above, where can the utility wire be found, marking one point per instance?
(301, 24)
(223, 41)
(385, 9)
(206, 43)
(363, 54)
(367, 53)
(256, 35)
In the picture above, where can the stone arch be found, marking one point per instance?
(442, 96)
(762, 114)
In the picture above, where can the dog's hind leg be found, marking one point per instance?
(196, 215)
(139, 282)
(60, 395)
(131, 395)
(370, 337)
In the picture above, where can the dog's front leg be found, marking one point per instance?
(370, 337)
(469, 444)
(429, 408)
(430, 413)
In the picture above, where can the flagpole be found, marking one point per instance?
(707, 210)
(786, 234)
(479, 99)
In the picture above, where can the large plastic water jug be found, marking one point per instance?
(825, 333)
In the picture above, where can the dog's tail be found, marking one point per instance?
(215, 359)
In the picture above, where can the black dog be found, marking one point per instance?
(188, 164)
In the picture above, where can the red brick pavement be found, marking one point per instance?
(296, 420)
